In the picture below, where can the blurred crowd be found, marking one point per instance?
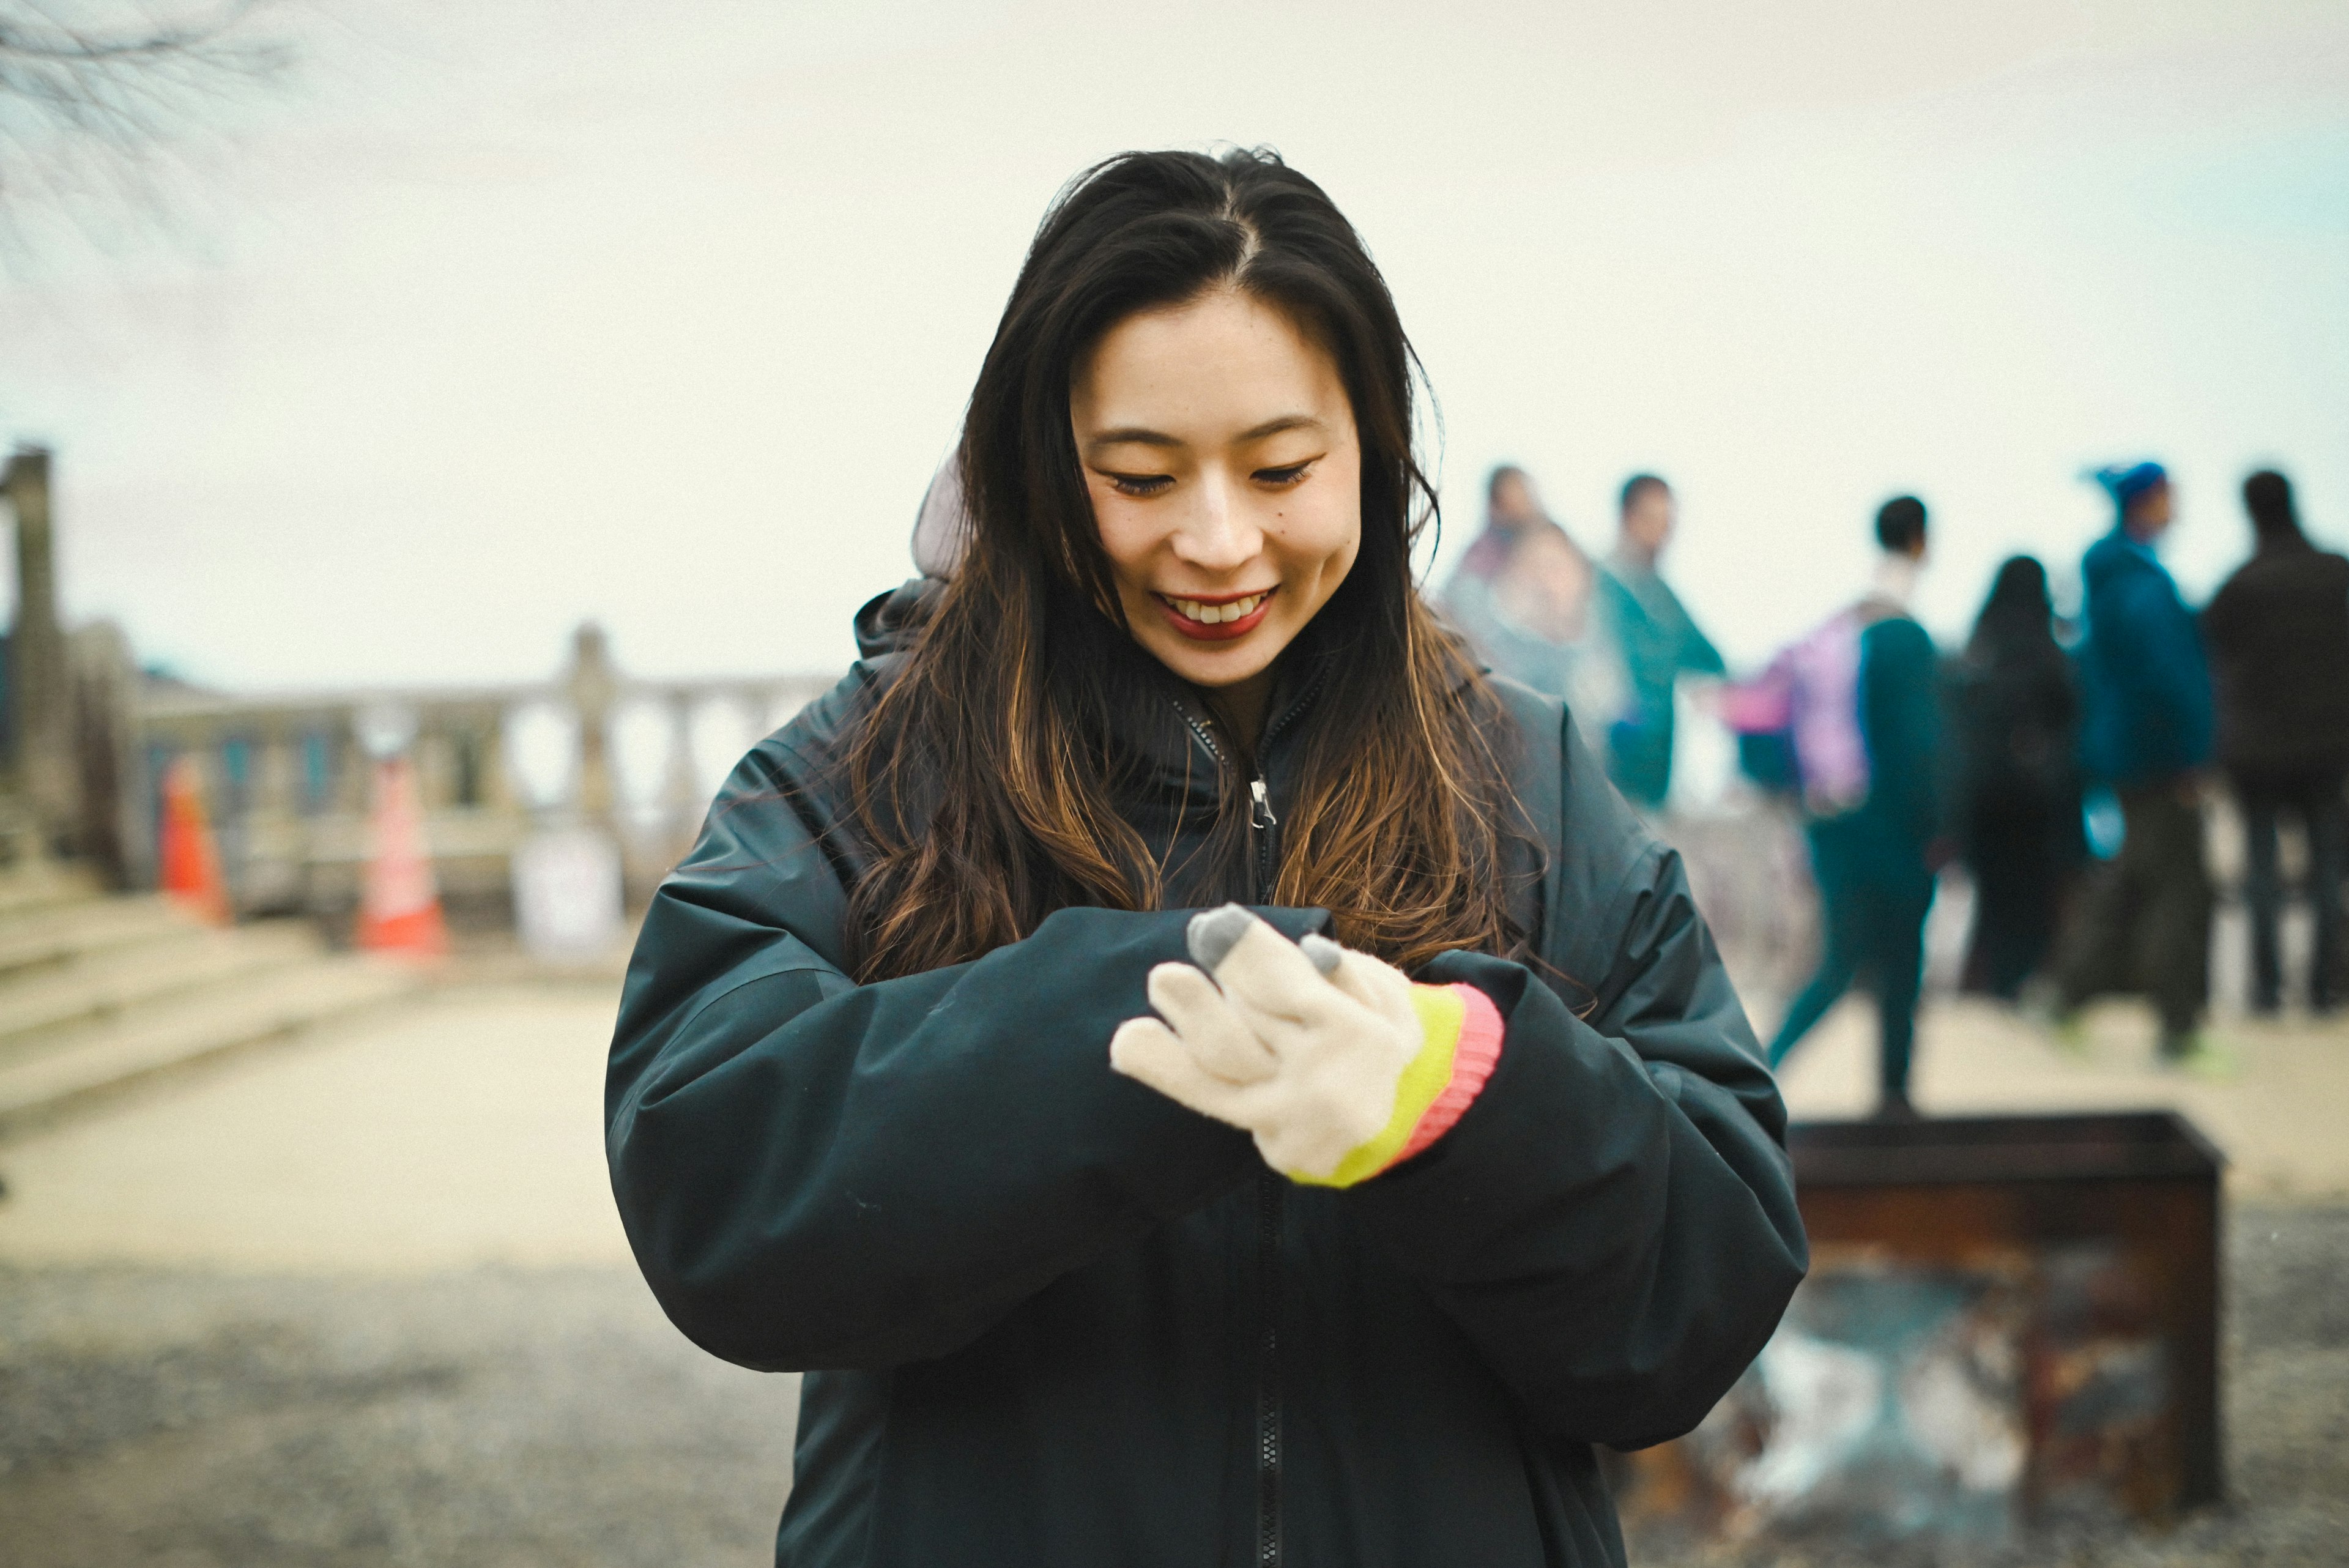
(2067, 763)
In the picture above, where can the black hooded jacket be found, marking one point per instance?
(1052, 1319)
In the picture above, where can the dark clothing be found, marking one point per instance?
(1053, 1318)
(2315, 799)
(2024, 861)
(2279, 636)
(2014, 700)
(2143, 924)
(2147, 689)
(1871, 863)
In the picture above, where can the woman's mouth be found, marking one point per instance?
(1216, 619)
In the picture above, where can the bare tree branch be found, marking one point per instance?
(88, 98)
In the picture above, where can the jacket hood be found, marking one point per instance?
(891, 622)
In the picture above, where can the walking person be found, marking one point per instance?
(1114, 1224)
(2279, 641)
(1524, 596)
(1658, 637)
(2015, 702)
(1865, 713)
(2143, 923)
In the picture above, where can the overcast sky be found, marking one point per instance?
(500, 314)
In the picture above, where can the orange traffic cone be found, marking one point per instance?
(399, 909)
(190, 871)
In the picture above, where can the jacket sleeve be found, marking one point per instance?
(1612, 1221)
(2157, 646)
(815, 1173)
(1697, 654)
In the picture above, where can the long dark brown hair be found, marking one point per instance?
(986, 774)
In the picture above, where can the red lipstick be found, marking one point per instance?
(1221, 632)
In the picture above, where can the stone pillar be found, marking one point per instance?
(116, 833)
(39, 696)
(681, 787)
(594, 688)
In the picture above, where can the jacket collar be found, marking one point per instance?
(1172, 731)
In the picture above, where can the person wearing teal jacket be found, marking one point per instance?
(1872, 847)
(1659, 639)
(2143, 923)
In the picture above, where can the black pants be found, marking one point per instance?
(2143, 924)
(2315, 799)
(2021, 853)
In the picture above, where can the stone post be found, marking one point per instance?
(594, 687)
(116, 832)
(40, 696)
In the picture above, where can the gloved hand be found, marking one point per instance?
(1337, 1062)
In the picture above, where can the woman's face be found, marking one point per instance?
(1219, 448)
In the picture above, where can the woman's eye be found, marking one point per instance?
(1294, 472)
(1139, 484)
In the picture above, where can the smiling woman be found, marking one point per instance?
(1227, 532)
(1342, 1241)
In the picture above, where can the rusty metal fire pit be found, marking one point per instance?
(2009, 1320)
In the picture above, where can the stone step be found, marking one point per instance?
(157, 1038)
(101, 983)
(48, 936)
(31, 889)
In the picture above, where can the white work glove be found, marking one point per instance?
(1338, 1063)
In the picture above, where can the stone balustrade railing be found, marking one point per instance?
(288, 775)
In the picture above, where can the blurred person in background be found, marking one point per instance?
(1658, 641)
(2015, 711)
(2143, 922)
(1376, 1194)
(1865, 712)
(2279, 640)
(1524, 596)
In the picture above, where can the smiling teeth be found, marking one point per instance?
(1215, 615)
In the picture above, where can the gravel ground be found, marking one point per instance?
(492, 1417)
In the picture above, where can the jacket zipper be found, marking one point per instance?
(1268, 1359)
(1261, 821)
(1260, 880)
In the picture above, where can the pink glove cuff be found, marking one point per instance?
(1474, 1056)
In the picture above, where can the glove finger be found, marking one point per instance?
(1211, 933)
(1326, 954)
(1270, 976)
(1215, 1031)
(1379, 986)
(1149, 1053)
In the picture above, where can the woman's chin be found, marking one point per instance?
(1215, 664)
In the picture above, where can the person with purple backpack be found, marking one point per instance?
(1860, 701)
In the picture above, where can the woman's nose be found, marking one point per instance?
(1217, 535)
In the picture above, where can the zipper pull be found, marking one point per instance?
(1260, 811)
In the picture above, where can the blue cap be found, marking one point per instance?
(2126, 483)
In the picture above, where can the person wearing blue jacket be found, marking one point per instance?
(2144, 925)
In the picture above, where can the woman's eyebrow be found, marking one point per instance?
(1136, 435)
(1285, 422)
(1132, 435)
